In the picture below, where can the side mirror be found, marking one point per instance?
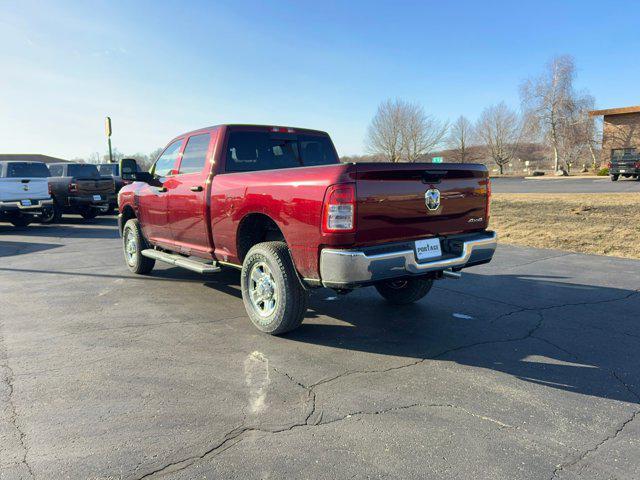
(128, 169)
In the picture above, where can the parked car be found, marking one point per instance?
(79, 188)
(24, 192)
(113, 170)
(277, 204)
(625, 162)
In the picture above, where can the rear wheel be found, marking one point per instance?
(132, 244)
(89, 212)
(271, 291)
(614, 178)
(22, 221)
(51, 215)
(402, 292)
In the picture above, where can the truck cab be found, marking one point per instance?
(24, 192)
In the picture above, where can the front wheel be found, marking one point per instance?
(271, 291)
(403, 292)
(614, 178)
(132, 244)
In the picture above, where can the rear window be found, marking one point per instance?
(108, 170)
(26, 169)
(251, 151)
(82, 171)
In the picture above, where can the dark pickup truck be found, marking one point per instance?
(625, 162)
(79, 188)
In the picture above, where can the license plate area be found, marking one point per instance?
(25, 203)
(97, 198)
(428, 249)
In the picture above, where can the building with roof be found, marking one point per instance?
(620, 132)
(29, 157)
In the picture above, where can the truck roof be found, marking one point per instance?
(214, 127)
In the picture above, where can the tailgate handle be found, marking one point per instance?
(25, 180)
(433, 176)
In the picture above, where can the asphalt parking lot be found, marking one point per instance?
(525, 368)
(565, 185)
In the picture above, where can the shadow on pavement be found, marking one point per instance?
(575, 345)
(100, 227)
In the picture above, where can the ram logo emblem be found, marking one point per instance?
(432, 199)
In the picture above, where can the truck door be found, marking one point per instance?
(152, 200)
(186, 196)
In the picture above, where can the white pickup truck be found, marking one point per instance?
(24, 192)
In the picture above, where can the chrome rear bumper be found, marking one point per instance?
(347, 268)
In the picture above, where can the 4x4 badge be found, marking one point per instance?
(432, 198)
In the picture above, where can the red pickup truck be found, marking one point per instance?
(276, 203)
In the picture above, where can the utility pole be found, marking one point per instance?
(107, 130)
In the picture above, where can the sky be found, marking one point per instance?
(159, 69)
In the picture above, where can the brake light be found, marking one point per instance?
(49, 188)
(73, 187)
(636, 165)
(488, 199)
(282, 130)
(339, 209)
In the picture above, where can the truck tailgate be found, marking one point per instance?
(102, 186)
(391, 201)
(23, 188)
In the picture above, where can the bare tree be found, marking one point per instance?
(461, 136)
(384, 134)
(94, 158)
(500, 129)
(551, 105)
(401, 131)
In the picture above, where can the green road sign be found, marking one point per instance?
(436, 160)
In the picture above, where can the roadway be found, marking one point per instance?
(526, 368)
(565, 185)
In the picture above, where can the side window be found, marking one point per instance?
(166, 162)
(195, 154)
(55, 170)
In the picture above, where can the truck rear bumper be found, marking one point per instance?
(17, 208)
(350, 268)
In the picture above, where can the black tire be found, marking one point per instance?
(614, 178)
(109, 211)
(132, 257)
(286, 298)
(21, 221)
(89, 213)
(54, 216)
(403, 292)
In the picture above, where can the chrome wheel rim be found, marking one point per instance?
(263, 291)
(130, 247)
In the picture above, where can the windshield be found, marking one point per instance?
(250, 151)
(108, 169)
(26, 170)
(81, 170)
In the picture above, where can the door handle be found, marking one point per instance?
(196, 188)
(162, 189)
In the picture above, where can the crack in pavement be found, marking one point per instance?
(8, 378)
(236, 435)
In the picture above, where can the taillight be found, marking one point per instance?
(488, 199)
(636, 165)
(608, 165)
(339, 210)
(73, 187)
(49, 188)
